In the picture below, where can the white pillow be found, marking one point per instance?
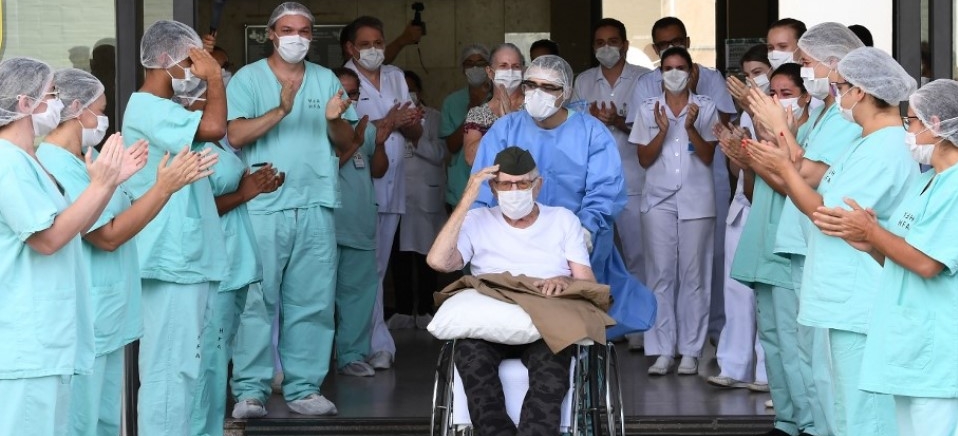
(469, 314)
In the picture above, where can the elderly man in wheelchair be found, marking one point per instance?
(535, 256)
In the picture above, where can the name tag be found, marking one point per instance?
(409, 150)
(358, 161)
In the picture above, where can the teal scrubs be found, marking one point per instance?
(825, 137)
(454, 110)
(225, 306)
(47, 320)
(356, 279)
(840, 283)
(294, 226)
(115, 291)
(912, 344)
(182, 261)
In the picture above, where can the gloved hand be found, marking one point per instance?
(587, 236)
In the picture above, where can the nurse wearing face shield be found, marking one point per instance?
(839, 283)
(911, 346)
(47, 321)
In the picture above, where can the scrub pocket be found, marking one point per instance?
(191, 242)
(55, 317)
(908, 349)
(109, 313)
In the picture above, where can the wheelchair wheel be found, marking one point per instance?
(441, 424)
(597, 399)
(615, 414)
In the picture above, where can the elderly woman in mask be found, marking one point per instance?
(109, 250)
(581, 171)
(839, 283)
(505, 71)
(676, 146)
(911, 348)
(46, 319)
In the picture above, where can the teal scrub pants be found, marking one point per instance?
(95, 405)
(777, 319)
(36, 406)
(816, 369)
(856, 412)
(357, 284)
(251, 362)
(173, 318)
(209, 405)
(926, 416)
(298, 249)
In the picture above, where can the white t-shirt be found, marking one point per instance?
(542, 250)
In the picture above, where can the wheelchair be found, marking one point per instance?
(595, 397)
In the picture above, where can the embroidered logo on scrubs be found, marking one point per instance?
(314, 103)
(906, 220)
(828, 175)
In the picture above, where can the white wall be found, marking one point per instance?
(876, 15)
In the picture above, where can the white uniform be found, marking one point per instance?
(390, 188)
(426, 188)
(592, 86)
(678, 214)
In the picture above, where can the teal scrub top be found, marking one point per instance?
(840, 283)
(454, 110)
(299, 145)
(184, 243)
(243, 266)
(823, 142)
(912, 345)
(113, 277)
(754, 263)
(46, 324)
(356, 220)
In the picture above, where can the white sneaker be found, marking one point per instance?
(249, 408)
(380, 360)
(399, 321)
(769, 405)
(688, 366)
(313, 405)
(357, 369)
(758, 387)
(726, 382)
(422, 321)
(662, 366)
(277, 384)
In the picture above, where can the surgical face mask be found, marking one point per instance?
(777, 58)
(797, 110)
(372, 58)
(226, 77)
(540, 104)
(817, 88)
(921, 153)
(608, 55)
(510, 79)
(92, 137)
(188, 83)
(516, 204)
(762, 81)
(476, 76)
(670, 46)
(292, 48)
(414, 97)
(675, 80)
(46, 121)
(847, 114)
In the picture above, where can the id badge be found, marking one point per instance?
(358, 161)
(409, 150)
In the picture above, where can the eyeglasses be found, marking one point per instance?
(528, 85)
(502, 185)
(677, 42)
(906, 121)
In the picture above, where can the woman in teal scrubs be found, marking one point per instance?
(46, 322)
(839, 282)
(912, 346)
(109, 252)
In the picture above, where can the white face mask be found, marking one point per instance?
(847, 114)
(675, 80)
(414, 97)
(762, 81)
(778, 58)
(372, 58)
(540, 104)
(226, 77)
(516, 204)
(46, 121)
(476, 76)
(792, 103)
(188, 83)
(292, 48)
(92, 137)
(510, 79)
(670, 46)
(817, 88)
(608, 55)
(921, 153)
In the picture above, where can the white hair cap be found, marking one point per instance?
(289, 8)
(939, 99)
(78, 90)
(553, 69)
(829, 42)
(473, 49)
(878, 74)
(22, 77)
(166, 43)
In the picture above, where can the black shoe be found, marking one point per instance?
(805, 434)
(775, 432)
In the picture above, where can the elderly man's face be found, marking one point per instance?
(508, 182)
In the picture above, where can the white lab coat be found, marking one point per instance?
(425, 173)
